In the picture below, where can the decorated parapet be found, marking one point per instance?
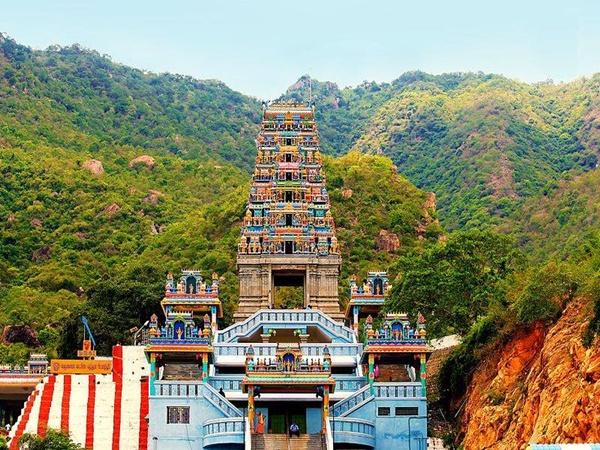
(367, 298)
(396, 329)
(288, 360)
(191, 296)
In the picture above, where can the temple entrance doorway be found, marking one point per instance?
(278, 417)
(288, 290)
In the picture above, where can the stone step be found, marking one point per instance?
(285, 442)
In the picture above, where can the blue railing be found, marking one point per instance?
(344, 406)
(353, 431)
(348, 383)
(260, 350)
(189, 389)
(335, 349)
(398, 390)
(265, 317)
(192, 389)
(226, 382)
(228, 430)
(220, 402)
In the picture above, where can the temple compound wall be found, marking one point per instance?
(99, 411)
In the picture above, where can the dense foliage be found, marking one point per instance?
(455, 282)
(482, 143)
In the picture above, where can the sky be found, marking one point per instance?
(261, 47)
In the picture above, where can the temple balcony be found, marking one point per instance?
(225, 431)
(350, 431)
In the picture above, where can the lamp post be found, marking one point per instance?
(139, 331)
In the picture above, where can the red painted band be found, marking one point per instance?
(89, 421)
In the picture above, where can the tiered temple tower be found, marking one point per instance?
(288, 236)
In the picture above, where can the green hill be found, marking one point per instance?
(48, 95)
(482, 143)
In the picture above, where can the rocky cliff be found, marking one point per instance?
(541, 386)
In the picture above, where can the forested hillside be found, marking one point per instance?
(112, 176)
(50, 94)
(482, 143)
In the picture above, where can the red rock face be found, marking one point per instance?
(542, 386)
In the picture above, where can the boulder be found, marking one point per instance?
(13, 334)
(36, 223)
(93, 166)
(41, 254)
(153, 197)
(387, 241)
(145, 160)
(111, 210)
(347, 192)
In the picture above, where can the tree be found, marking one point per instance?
(453, 283)
(115, 305)
(54, 440)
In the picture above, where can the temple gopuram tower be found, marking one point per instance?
(288, 236)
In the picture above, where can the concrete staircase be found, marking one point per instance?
(284, 442)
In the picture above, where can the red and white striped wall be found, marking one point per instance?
(99, 412)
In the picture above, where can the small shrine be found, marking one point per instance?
(366, 299)
(396, 351)
(191, 308)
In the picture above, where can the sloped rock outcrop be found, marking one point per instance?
(542, 386)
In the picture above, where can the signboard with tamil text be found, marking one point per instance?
(81, 366)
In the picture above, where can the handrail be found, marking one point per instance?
(399, 390)
(285, 316)
(343, 406)
(220, 402)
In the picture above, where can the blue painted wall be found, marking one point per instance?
(179, 436)
(394, 432)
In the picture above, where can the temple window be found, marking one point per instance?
(178, 414)
(288, 220)
(407, 411)
(383, 411)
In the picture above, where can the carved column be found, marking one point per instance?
(251, 407)
(325, 409)
(371, 372)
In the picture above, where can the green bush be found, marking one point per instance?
(546, 293)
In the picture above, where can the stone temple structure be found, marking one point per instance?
(288, 237)
(299, 377)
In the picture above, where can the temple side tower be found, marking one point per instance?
(288, 236)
